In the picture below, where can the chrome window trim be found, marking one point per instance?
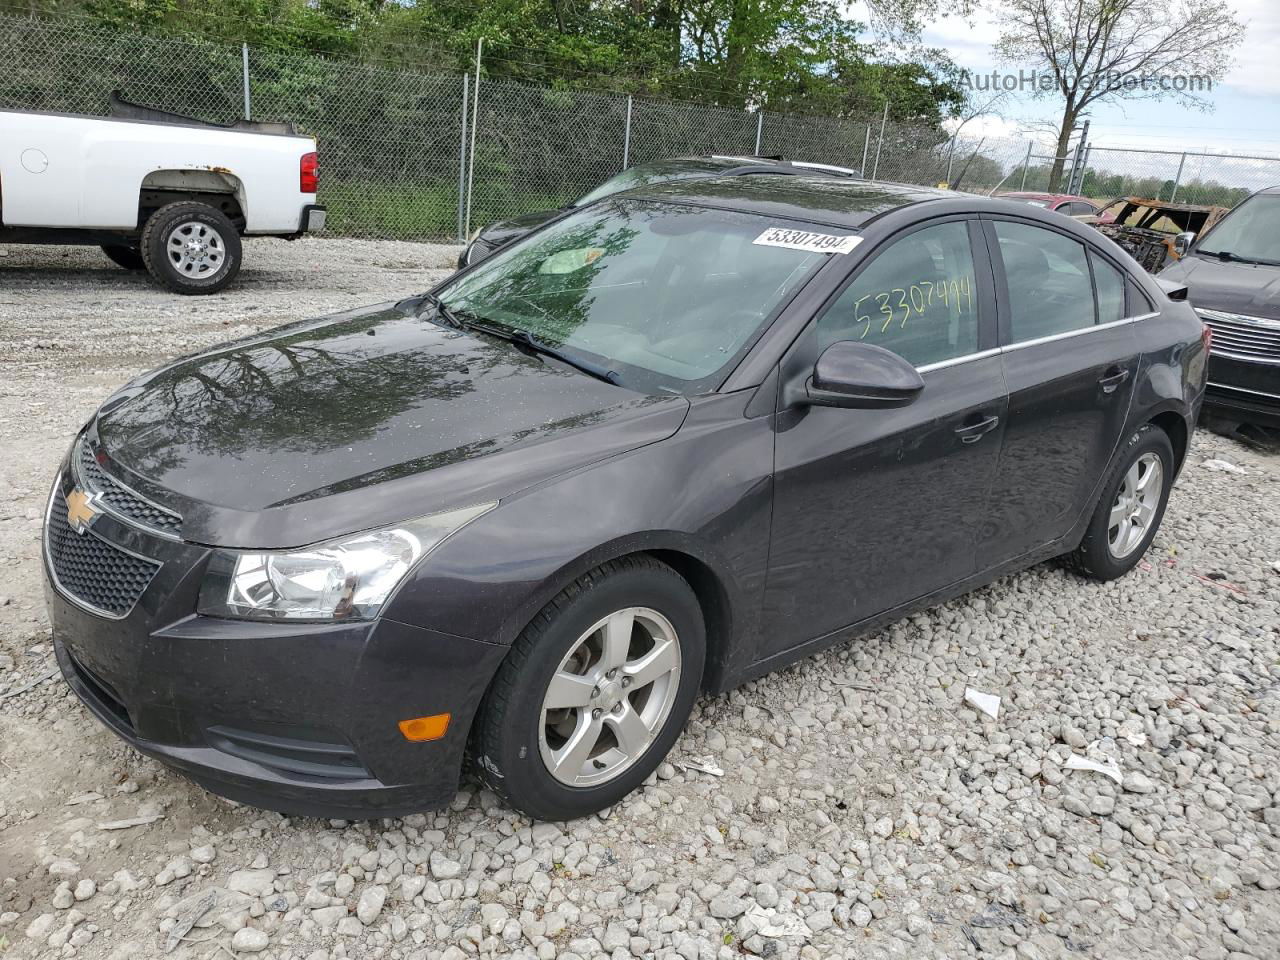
(53, 574)
(106, 508)
(983, 354)
(1256, 393)
(1080, 331)
(954, 361)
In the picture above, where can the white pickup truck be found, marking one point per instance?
(155, 190)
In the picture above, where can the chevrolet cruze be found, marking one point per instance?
(672, 441)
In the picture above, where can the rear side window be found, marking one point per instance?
(1048, 276)
(917, 298)
(1110, 290)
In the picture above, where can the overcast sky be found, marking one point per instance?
(1246, 118)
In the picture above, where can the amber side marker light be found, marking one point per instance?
(420, 729)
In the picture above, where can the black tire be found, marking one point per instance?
(163, 226)
(1094, 558)
(506, 736)
(128, 257)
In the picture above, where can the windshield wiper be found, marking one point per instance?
(521, 338)
(1226, 256)
(524, 339)
(444, 312)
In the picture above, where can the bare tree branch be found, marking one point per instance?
(1100, 50)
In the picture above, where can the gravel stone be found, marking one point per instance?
(249, 940)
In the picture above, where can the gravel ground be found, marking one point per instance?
(863, 810)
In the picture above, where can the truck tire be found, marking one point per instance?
(191, 248)
(128, 257)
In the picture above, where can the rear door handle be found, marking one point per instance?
(973, 432)
(1112, 379)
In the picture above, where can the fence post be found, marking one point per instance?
(626, 138)
(475, 122)
(866, 148)
(880, 142)
(1075, 161)
(1026, 164)
(1177, 179)
(759, 130)
(244, 59)
(1084, 168)
(462, 160)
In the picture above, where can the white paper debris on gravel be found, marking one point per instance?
(987, 703)
(1224, 466)
(1100, 759)
(770, 924)
(701, 765)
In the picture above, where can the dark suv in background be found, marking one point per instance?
(497, 235)
(1232, 275)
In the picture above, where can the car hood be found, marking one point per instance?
(369, 417)
(504, 231)
(1247, 288)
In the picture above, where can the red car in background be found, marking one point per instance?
(1066, 203)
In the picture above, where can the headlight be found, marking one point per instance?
(344, 579)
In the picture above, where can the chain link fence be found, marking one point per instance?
(413, 155)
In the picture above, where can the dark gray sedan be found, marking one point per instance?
(672, 441)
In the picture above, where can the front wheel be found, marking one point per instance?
(594, 692)
(1130, 508)
(191, 248)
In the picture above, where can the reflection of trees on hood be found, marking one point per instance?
(308, 392)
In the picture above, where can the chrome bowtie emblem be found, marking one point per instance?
(80, 510)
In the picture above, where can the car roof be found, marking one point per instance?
(831, 200)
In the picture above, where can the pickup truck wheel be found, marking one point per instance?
(191, 248)
(128, 257)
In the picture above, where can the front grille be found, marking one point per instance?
(1243, 337)
(293, 750)
(119, 499)
(91, 570)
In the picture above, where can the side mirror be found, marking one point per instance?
(1182, 243)
(853, 374)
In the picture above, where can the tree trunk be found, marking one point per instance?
(1060, 151)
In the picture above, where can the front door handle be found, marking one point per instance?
(1112, 379)
(973, 432)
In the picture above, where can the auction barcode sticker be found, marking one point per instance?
(806, 240)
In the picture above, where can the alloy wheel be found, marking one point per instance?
(610, 697)
(196, 249)
(1135, 505)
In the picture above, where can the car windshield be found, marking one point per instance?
(1251, 231)
(665, 295)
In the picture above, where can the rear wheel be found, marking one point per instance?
(594, 692)
(1130, 508)
(191, 248)
(128, 257)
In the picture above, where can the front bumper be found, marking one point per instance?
(1244, 390)
(300, 718)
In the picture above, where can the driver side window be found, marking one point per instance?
(918, 298)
